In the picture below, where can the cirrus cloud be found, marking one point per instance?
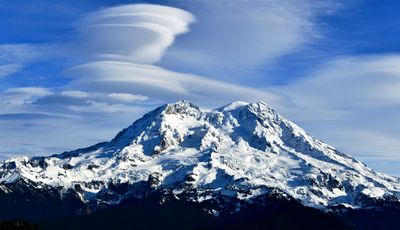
(232, 40)
(9, 69)
(352, 102)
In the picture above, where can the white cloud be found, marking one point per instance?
(21, 53)
(349, 82)
(351, 102)
(119, 97)
(75, 94)
(129, 40)
(235, 38)
(51, 134)
(41, 121)
(31, 91)
(16, 99)
(127, 97)
(9, 69)
(137, 33)
(158, 83)
(33, 100)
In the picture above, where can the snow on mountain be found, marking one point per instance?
(241, 150)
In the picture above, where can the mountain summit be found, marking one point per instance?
(241, 151)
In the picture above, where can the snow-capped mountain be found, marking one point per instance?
(242, 150)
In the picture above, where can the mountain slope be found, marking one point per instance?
(241, 152)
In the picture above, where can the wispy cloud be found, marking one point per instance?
(234, 39)
(9, 69)
(350, 82)
(158, 83)
(351, 102)
(22, 53)
(44, 121)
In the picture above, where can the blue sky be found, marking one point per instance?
(73, 73)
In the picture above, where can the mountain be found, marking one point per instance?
(225, 160)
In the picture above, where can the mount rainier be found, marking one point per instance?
(239, 153)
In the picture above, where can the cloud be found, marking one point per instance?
(75, 94)
(37, 103)
(6, 70)
(44, 121)
(86, 101)
(21, 53)
(29, 91)
(351, 102)
(158, 83)
(349, 82)
(235, 38)
(127, 97)
(138, 33)
(16, 100)
(117, 97)
(40, 135)
(126, 42)
(26, 116)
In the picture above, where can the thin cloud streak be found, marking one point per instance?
(352, 102)
(9, 69)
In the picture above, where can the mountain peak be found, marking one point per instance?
(182, 107)
(241, 150)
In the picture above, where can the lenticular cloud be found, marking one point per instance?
(124, 43)
(137, 33)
